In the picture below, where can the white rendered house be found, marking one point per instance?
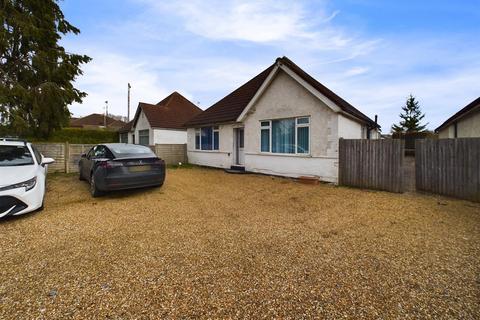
(282, 122)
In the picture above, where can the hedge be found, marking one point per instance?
(79, 136)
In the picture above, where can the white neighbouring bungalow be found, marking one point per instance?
(161, 123)
(282, 122)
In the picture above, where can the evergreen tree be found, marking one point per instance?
(411, 116)
(36, 73)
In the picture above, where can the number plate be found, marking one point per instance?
(139, 168)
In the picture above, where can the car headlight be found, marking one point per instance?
(28, 185)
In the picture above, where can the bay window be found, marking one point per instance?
(285, 136)
(207, 138)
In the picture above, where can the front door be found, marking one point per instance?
(239, 145)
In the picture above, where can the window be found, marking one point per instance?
(37, 155)
(288, 136)
(207, 138)
(124, 137)
(11, 156)
(143, 137)
(197, 139)
(124, 150)
(265, 136)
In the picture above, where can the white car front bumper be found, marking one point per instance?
(18, 201)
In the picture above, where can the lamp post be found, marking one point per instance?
(105, 115)
(128, 102)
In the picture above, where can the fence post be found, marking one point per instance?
(67, 156)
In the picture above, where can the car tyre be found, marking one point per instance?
(93, 188)
(80, 176)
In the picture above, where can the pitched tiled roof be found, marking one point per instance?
(344, 105)
(170, 113)
(470, 107)
(126, 128)
(229, 108)
(96, 119)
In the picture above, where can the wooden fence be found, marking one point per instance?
(373, 164)
(68, 155)
(449, 167)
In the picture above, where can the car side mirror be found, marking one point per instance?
(46, 161)
(83, 155)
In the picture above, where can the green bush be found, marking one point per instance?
(79, 136)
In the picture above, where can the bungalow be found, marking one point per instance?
(282, 122)
(463, 124)
(161, 123)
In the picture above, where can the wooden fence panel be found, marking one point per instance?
(373, 164)
(449, 167)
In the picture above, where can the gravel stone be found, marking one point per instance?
(218, 246)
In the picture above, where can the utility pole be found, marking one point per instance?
(105, 115)
(128, 103)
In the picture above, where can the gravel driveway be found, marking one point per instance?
(212, 245)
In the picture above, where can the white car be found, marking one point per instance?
(23, 173)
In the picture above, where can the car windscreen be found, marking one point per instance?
(129, 150)
(15, 156)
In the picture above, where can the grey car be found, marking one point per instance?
(120, 166)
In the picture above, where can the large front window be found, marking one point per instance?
(143, 137)
(207, 138)
(287, 136)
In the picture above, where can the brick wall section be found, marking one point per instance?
(68, 155)
(172, 153)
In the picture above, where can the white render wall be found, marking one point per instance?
(467, 127)
(143, 124)
(169, 136)
(286, 98)
(223, 158)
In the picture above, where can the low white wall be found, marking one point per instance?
(166, 136)
(210, 158)
(325, 169)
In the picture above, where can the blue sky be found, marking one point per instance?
(372, 53)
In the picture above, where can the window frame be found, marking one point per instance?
(268, 127)
(198, 134)
(140, 136)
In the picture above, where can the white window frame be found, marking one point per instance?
(214, 130)
(297, 125)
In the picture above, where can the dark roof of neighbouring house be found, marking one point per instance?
(170, 113)
(230, 107)
(474, 105)
(96, 119)
(126, 128)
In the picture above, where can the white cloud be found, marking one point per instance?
(106, 78)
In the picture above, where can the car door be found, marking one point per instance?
(86, 165)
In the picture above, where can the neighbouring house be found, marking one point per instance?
(463, 124)
(96, 121)
(161, 123)
(282, 122)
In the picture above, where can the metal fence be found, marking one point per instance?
(449, 167)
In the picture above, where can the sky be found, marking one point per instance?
(371, 53)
